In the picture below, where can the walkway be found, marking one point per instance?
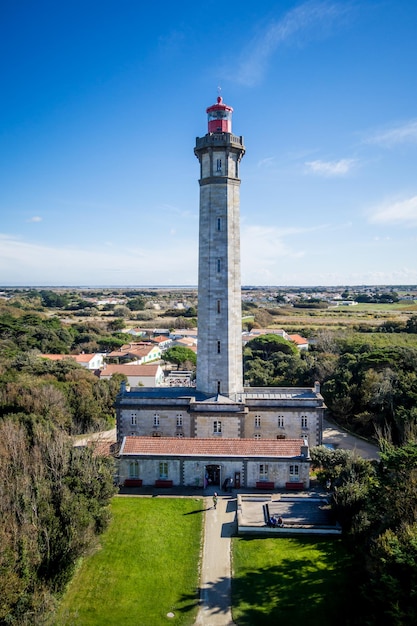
(215, 593)
(339, 438)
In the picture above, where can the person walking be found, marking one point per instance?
(215, 498)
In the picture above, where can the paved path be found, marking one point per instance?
(220, 525)
(339, 438)
(215, 583)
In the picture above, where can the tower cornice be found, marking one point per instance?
(219, 140)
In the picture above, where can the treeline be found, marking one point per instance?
(53, 502)
(369, 382)
(53, 497)
(376, 504)
(20, 332)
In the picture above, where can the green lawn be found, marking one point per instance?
(290, 582)
(147, 566)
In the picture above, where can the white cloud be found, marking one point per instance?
(331, 168)
(27, 263)
(403, 211)
(404, 133)
(35, 218)
(307, 21)
(266, 162)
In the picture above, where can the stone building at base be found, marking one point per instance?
(245, 463)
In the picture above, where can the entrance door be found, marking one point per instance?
(212, 476)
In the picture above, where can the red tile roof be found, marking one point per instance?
(298, 339)
(80, 358)
(173, 446)
(130, 370)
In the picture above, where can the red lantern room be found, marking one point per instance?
(219, 117)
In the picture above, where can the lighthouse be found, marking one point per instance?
(219, 356)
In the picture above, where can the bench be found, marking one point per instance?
(163, 483)
(294, 486)
(132, 482)
(263, 484)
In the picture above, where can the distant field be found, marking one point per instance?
(147, 567)
(342, 317)
(289, 582)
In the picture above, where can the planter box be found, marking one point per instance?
(294, 486)
(163, 483)
(132, 482)
(265, 485)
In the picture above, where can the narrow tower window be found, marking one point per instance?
(218, 386)
(219, 165)
(218, 306)
(219, 265)
(219, 223)
(218, 347)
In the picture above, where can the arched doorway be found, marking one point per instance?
(212, 476)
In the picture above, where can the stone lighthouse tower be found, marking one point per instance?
(219, 357)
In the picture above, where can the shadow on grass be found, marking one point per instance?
(296, 591)
(198, 511)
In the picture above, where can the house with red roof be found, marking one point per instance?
(300, 342)
(137, 353)
(150, 375)
(89, 361)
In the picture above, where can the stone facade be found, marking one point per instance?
(250, 435)
(264, 413)
(248, 466)
(219, 356)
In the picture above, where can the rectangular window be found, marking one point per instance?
(163, 469)
(280, 421)
(257, 436)
(217, 427)
(156, 419)
(218, 386)
(219, 165)
(179, 419)
(133, 419)
(304, 422)
(218, 347)
(134, 469)
(219, 265)
(218, 306)
(294, 470)
(219, 223)
(257, 422)
(263, 471)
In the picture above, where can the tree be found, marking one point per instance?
(136, 304)
(411, 325)
(269, 344)
(180, 356)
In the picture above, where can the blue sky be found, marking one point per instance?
(101, 103)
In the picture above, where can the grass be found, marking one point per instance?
(147, 567)
(289, 581)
